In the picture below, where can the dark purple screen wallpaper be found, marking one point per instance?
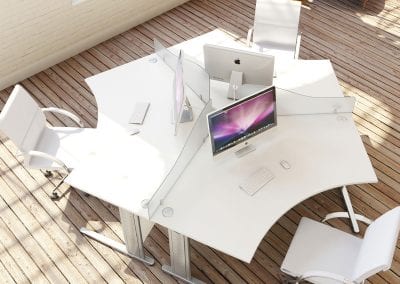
(242, 121)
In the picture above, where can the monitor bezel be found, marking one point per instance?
(237, 143)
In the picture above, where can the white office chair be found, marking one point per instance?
(275, 29)
(319, 253)
(44, 147)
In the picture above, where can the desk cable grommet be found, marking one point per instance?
(167, 212)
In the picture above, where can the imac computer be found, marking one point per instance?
(232, 126)
(238, 67)
(181, 108)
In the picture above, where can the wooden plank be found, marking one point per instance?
(15, 246)
(6, 259)
(48, 236)
(5, 276)
(362, 61)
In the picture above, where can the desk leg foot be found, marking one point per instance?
(132, 234)
(179, 250)
(115, 245)
(349, 214)
(168, 269)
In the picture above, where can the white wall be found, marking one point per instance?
(36, 34)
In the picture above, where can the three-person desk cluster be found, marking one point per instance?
(156, 177)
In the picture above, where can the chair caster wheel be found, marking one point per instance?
(48, 174)
(54, 196)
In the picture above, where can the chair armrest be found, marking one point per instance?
(297, 50)
(249, 36)
(48, 157)
(323, 274)
(64, 112)
(358, 217)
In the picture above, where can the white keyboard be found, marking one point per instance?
(256, 180)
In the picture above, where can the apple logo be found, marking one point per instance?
(236, 61)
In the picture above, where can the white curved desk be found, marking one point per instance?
(325, 151)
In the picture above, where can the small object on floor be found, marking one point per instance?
(48, 174)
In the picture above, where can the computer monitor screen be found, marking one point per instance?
(242, 120)
(257, 68)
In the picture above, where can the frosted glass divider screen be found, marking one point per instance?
(164, 54)
(290, 103)
(193, 143)
(196, 78)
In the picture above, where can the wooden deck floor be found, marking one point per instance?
(40, 239)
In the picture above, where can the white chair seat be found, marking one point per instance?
(317, 246)
(322, 254)
(283, 57)
(280, 52)
(275, 50)
(69, 144)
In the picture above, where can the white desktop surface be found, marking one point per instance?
(324, 151)
(125, 170)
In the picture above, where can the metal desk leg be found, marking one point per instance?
(132, 235)
(349, 214)
(350, 209)
(179, 251)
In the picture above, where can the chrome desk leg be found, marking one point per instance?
(132, 234)
(179, 251)
(349, 214)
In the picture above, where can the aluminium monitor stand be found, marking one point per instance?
(245, 150)
(187, 112)
(234, 84)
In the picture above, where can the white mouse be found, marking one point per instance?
(285, 164)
